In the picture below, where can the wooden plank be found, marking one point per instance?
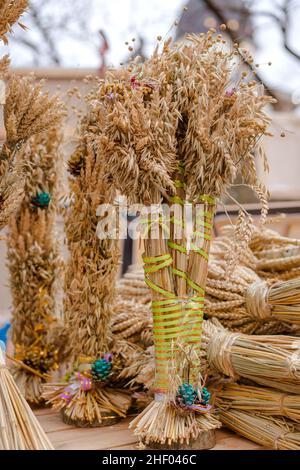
(227, 440)
(53, 422)
(91, 439)
(43, 411)
(116, 437)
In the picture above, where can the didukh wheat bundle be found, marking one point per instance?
(35, 267)
(89, 395)
(178, 132)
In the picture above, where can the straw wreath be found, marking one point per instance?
(176, 129)
(87, 397)
(19, 428)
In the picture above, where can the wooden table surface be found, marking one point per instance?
(117, 437)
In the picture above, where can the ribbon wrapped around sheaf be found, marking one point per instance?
(79, 381)
(196, 407)
(199, 408)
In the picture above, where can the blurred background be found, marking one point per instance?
(67, 40)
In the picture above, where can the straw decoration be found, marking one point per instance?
(35, 267)
(87, 396)
(175, 131)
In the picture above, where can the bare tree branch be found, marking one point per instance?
(47, 37)
(283, 23)
(286, 10)
(218, 12)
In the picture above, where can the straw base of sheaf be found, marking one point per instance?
(160, 423)
(30, 386)
(88, 408)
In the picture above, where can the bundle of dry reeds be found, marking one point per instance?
(270, 432)
(35, 266)
(265, 401)
(175, 131)
(244, 302)
(19, 428)
(85, 398)
(273, 360)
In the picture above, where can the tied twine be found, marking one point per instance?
(280, 436)
(257, 300)
(219, 352)
(281, 408)
(293, 362)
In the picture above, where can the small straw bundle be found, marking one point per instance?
(273, 361)
(244, 302)
(35, 266)
(19, 428)
(175, 133)
(272, 433)
(266, 401)
(86, 397)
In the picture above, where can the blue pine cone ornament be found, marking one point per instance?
(101, 369)
(187, 394)
(41, 200)
(205, 396)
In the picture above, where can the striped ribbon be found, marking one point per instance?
(177, 319)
